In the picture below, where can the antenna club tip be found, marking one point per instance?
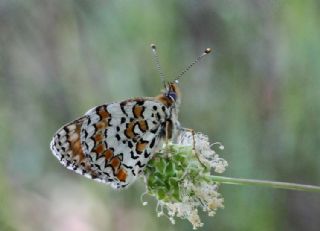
(207, 51)
(153, 46)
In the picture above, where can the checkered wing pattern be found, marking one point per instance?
(112, 143)
(66, 146)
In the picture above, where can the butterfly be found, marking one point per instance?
(112, 143)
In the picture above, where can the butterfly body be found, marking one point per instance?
(112, 143)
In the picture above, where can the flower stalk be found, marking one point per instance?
(265, 183)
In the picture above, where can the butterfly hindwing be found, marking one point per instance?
(120, 138)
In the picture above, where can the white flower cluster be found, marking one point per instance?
(203, 149)
(196, 192)
(204, 196)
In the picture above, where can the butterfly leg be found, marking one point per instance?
(193, 143)
(193, 137)
(167, 138)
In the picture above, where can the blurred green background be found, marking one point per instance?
(258, 93)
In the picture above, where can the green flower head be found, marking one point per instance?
(179, 178)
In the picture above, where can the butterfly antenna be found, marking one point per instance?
(207, 51)
(156, 61)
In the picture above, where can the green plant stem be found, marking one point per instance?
(273, 184)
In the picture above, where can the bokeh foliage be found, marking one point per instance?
(258, 93)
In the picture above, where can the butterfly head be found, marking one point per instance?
(170, 95)
(172, 92)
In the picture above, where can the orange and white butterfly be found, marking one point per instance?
(112, 143)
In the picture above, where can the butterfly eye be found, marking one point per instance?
(172, 95)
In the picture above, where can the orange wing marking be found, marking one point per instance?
(108, 154)
(99, 149)
(75, 145)
(98, 138)
(137, 111)
(129, 130)
(103, 113)
(141, 145)
(115, 163)
(102, 124)
(122, 175)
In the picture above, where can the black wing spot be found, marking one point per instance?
(122, 108)
(127, 166)
(155, 107)
(130, 145)
(85, 134)
(85, 144)
(139, 164)
(123, 120)
(89, 120)
(66, 129)
(90, 157)
(146, 154)
(123, 186)
(97, 166)
(152, 142)
(158, 116)
(133, 156)
(118, 137)
(107, 174)
(68, 163)
(109, 122)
